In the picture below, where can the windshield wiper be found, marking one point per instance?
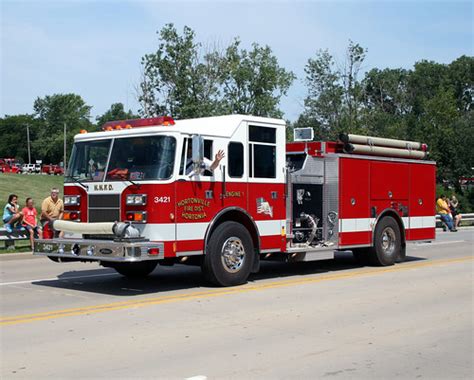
(77, 181)
(132, 182)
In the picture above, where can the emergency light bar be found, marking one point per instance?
(137, 123)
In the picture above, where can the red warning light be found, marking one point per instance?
(137, 123)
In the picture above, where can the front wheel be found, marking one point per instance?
(387, 242)
(135, 270)
(229, 255)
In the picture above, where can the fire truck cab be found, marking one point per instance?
(148, 191)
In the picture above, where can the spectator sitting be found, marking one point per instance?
(453, 207)
(443, 211)
(11, 213)
(52, 208)
(29, 221)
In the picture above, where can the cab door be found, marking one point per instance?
(198, 198)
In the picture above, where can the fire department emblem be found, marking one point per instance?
(263, 207)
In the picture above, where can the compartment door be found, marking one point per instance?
(422, 202)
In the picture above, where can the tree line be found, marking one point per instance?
(431, 103)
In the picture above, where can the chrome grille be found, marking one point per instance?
(104, 207)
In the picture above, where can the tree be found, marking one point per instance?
(179, 78)
(13, 143)
(334, 99)
(115, 112)
(187, 80)
(355, 56)
(441, 115)
(461, 81)
(52, 113)
(431, 103)
(253, 81)
(324, 102)
(385, 103)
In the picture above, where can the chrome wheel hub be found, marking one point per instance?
(388, 240)
(232, 254)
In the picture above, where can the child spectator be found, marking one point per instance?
(30, 222)
(453, 206)
(11, 213)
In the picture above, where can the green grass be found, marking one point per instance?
(20, 246)
(36, 186)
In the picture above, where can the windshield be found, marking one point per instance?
(132, 158)
(142, 158)
(89, 160)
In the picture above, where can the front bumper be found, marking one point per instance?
(100, 250)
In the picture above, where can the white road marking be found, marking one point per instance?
(55, 279)
(440, 243)
(198, 377)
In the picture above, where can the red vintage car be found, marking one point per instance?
(52, 169)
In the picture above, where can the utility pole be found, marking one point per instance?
(28, 139)
(64, 160)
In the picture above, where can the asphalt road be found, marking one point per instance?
(328, 319)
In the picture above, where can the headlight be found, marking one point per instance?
(136, 216)
(136, 199)
(72, 200)
(74, 216)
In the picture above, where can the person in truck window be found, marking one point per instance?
(208, 164)
(11, 213)
(96, 172)
(30, 221)
(120, 171)
(52, 208)
(442, 208)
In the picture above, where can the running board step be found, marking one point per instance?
(312, 255)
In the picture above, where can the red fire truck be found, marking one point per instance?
(9, 165)
(141, 192)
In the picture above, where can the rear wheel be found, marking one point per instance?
(229, 255)
(387, 242)
(135, 270)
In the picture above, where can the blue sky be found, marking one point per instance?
(93, 48)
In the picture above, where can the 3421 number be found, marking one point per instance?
(162, 199)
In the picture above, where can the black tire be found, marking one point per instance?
(403, 255)
(229, 255)
(135, 270)
(387, 243)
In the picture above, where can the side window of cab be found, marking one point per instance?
(262, 152)
(186, 165)
(236, 159)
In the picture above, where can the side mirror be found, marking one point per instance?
(198, 150)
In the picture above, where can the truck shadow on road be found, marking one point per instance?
(180, 277)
